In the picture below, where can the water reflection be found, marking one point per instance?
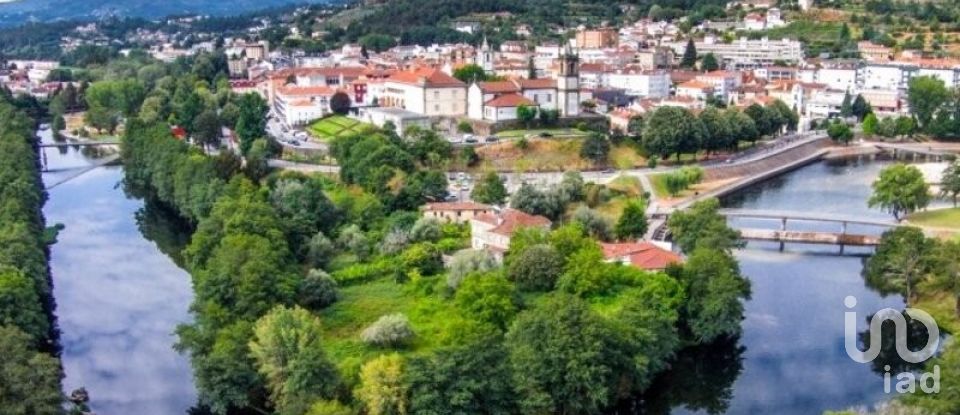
(119, 298)
(794, 360)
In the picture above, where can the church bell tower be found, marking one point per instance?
(568, 84)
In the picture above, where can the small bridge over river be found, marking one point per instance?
(81, 144)
(784, 235)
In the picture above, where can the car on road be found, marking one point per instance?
(470, 140)
(607, 171)
(295, 143)
(492, 139)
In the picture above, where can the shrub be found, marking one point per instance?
(595, 225)
(426, 229)
(391, 330)
(317, 290)
(319, 250)
(353, 240)
(424, 257)
(395, 241)
(467, 262)
(361, 273)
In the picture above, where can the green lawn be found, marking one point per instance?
(360, 305)
(337, 126)
(535, 132)
(938, 218)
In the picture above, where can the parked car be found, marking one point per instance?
(492, 139)
(295, 143)
(607, 171)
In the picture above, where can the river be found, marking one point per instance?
(791, 358)
(119, 297)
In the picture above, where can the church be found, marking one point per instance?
(497, 101)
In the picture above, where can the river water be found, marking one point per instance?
(120, 295)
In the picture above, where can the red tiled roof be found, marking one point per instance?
(509, 221)
(498, 87)
(696, 85)
(429, 77)
(454, 206)
(644, 255)
(509, 100)
(306, 90)
(540, 83)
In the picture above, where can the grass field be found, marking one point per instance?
(554, 132)
(938, 218)
(361, 305)
(337, 126)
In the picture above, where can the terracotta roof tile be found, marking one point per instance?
(429, 77)
(446, 206)
(509, 221)
(644, 255)
(509, 100)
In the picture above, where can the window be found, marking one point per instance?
(436, 108)
(436, 94)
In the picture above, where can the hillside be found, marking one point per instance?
(17, 12)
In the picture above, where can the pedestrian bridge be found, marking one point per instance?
(784, 235)
(81, 144)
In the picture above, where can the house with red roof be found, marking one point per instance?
(458, 212)
(644, 255)
(492, 231)
(497, 100)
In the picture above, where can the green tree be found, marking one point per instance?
(20, 304)
(535, 268)
(340, 103)
(762, 118)
(926, 94)
(470, 73)
(840, 132)
(709, 63)
(900, 189)
(377, 42)
(206, 129)
(861, 108)
(317, 290)
(490, 189)
(742, 127)
(870, 124)
(595, 148)
(632, 223)
(473, 378)
(382, 389)
(289, 353)
(673, 130)
(846, 107)
(715, 291)
(950, 182)
(720, 134)
(946, 270)
(489, 298)
(526, 114)
(689, 59)
(902, 259)
(251, 121)
(701, 226)
(565, 359)
(31, 380)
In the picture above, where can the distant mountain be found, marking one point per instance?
(21, 11)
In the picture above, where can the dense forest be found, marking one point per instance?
(30, 370)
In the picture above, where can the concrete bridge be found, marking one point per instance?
(81, 144)
(783, 235)
(937, 151)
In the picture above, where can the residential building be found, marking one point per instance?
(299, 105)
(646, 84)
(643, 255)
(746, 53)
(458, 212)
(504, 107)
(698, 90)
(724, 83)
(536, 92)
(400, 118)
(606, 37)
(492, 231)
(873, 52)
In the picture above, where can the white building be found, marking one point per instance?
(299, 105)
(400, 118)
(425, 91)
(724, 83)
(745, 53)
(542, 93)
(646, 84)
(492, 231)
